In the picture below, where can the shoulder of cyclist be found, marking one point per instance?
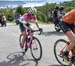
(73, 11)
(21, 19)
(69, 16)
(70, 13)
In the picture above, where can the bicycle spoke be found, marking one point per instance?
(36, 49)
(58, 47)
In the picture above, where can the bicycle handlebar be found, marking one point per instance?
(36, 31)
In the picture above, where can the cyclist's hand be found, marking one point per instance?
(40, 29)
(30, 30)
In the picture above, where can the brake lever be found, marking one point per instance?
(41, 31)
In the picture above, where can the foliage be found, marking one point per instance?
(20, 10)
(10, 15)
(44, 13)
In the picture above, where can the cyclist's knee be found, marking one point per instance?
(71, 36)
(31, 27)
(24, 33)
(73, 40)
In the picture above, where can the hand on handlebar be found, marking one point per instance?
(41, 30)
(30, 30)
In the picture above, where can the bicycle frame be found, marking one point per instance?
(31, 38)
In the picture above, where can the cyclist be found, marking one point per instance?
(55, 15)
(62, 12)
(24, 22)
(16, 18)
(68, 27)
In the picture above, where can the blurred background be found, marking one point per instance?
(45, 8)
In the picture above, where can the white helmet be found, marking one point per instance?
(32, 10)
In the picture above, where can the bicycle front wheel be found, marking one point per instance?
(58, 46)
(36, 49)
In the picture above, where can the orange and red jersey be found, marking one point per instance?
(69, 17)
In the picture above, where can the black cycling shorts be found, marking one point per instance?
(66, 27)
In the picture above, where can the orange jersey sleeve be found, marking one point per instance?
(69, 17)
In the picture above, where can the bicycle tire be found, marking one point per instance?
(34, 38)
(55, 53)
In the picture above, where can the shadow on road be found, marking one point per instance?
(52, 33)
(17, 59)
(55, 65)
(58, 65)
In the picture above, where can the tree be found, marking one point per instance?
(20, 10)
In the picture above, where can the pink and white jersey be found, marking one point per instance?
(29, 17)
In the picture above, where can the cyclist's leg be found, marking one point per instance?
(73, 29)
(24, 42)
(66, 28)
(29, 25)
(23, 32)
(56, 23)
(71, 35)
(24, 37)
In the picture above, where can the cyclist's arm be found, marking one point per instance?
(40, 29)
(36, 22)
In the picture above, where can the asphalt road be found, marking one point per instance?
(10, 52)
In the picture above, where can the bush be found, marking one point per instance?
(10, 17)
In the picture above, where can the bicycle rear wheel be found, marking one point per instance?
(58, 46)
(36, 49)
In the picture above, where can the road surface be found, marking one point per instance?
(10, 52)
